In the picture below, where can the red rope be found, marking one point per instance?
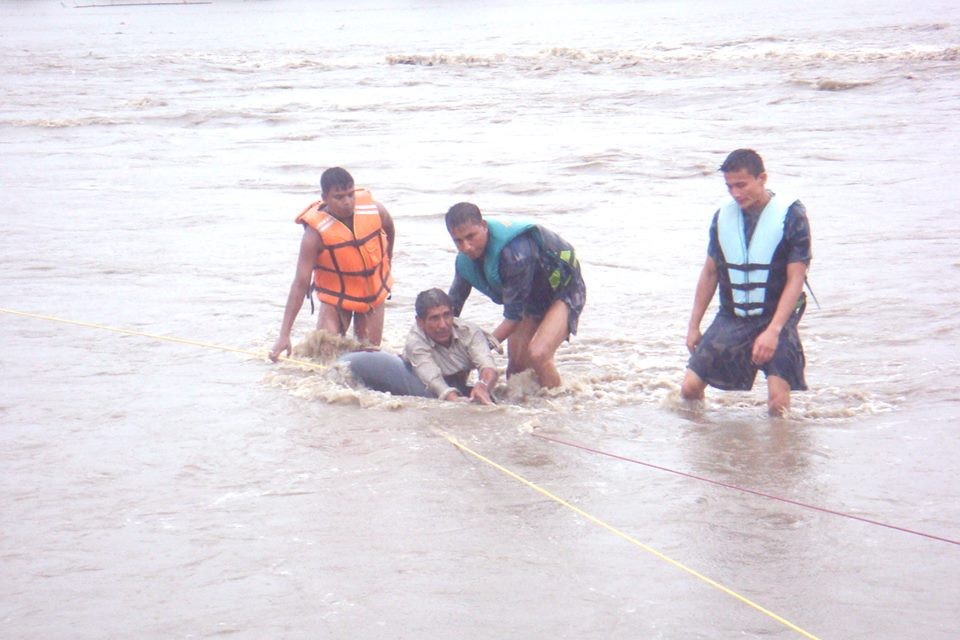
(756, 493)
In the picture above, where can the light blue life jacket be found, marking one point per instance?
(746, 273)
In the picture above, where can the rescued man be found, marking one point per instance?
(346, 247)
(532, 272)
(758, 255)
(440, 353)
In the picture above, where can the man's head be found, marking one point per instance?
(468, 229)
(743, 159)
(435, 315)
(336, 186)
(746, 179)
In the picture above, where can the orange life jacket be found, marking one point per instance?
(353, 269)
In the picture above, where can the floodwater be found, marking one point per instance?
(153, 159)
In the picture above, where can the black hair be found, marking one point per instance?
(429, 299)
(335, 177)
(743, 159)
(462, 213)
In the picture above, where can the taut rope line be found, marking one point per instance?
(744, 490)
(713, 583)
(162, 338)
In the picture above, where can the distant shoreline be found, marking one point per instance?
(142, 4)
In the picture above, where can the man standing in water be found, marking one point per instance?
(758, 254)
(346, 247)
(532, 272)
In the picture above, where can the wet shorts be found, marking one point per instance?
(574, 294)
(722, 359)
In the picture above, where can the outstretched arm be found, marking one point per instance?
(518, 263)
(310, 246)
(481, 390)
(459, 292)
(504, 329)
(706, 287)
(482, 359)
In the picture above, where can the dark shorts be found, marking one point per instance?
(573, 294)
(722, 359)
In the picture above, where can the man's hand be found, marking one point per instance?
(693, 338)
(282, 344)
(481, 394)
(765, 345)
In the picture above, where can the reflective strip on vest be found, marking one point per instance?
(748, 265)
(563, 274)
(352, 272)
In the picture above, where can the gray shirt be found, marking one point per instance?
(469, 349)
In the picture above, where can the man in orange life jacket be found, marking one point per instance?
(346, 248)
(758, 255)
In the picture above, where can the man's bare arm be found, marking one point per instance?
(386, 220)
(310, 246)
(706, 287)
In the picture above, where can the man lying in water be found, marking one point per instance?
(440, 352)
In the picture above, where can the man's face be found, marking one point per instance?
(340, 201)
(437, 323)
(471, 239)
(750, 192)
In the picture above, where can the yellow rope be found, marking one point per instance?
(154, 336)
(628, 538)
(453, 441)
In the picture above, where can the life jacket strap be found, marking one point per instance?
(806, 283)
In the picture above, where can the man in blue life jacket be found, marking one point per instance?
(758, 255)
(532, 272)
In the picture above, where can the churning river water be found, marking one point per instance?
(154, 484)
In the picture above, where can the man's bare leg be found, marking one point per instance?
(692, 387)
(333, 320)
(549, 335)
(518, 346)
(368, 327)
(778, 396)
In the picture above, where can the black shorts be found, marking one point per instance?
(574, 294)
(722, 359)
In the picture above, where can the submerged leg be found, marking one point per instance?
(518, 346)
(692, 387)
(778, 396)
(550, 334)
(385, 372)
(368, 327)
(333, 320)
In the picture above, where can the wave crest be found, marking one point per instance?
(767, 50)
